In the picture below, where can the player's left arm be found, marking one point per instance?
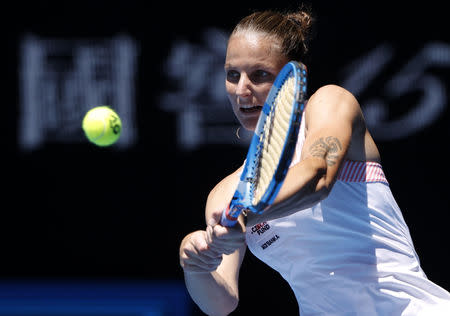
(331, 116)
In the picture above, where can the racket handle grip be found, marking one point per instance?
(227, 219)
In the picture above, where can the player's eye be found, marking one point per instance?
(233, 76)
(261, 76)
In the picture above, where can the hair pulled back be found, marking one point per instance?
(292, 30)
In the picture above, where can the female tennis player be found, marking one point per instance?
(335, 232)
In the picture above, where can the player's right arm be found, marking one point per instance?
(211, 259)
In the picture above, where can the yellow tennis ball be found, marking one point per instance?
(102, 126)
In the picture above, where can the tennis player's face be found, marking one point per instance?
(251, 65)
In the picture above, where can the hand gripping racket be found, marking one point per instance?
(273, 145)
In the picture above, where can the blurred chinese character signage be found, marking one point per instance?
(61, 79)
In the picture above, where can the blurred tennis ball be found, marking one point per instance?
(102, 126)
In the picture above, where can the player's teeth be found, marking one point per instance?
(251, 109)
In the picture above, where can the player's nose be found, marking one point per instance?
(243, 86)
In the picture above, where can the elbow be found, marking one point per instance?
(226, 308)
(223, 312)
(323, 189)
(233, 306)
(323, 185)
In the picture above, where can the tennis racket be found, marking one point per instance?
(273, 144)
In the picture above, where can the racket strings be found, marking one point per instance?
(276, 129)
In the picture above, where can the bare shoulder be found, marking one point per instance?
(334, 108)
(220, 196)
(332, 101)
(333, 95)
(332, 88)
(225, 183)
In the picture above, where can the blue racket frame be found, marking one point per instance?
(242, 198)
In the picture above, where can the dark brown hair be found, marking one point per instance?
(292, 30)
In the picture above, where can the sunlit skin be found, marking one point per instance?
(251, 65)
(333, 132)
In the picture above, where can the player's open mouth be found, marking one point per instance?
(251, 109)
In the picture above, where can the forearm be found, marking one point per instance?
(211, 292)
(305, 185)
(211, 276)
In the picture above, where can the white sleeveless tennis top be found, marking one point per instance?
(351, 254)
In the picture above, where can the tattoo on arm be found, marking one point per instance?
(328, 148)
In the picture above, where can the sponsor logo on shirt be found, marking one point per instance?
(270, 242)
(260, 228)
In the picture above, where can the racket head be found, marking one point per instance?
(273, 143)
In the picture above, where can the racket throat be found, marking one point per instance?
(233, 211)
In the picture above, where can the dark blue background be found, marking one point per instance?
(76, 211)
